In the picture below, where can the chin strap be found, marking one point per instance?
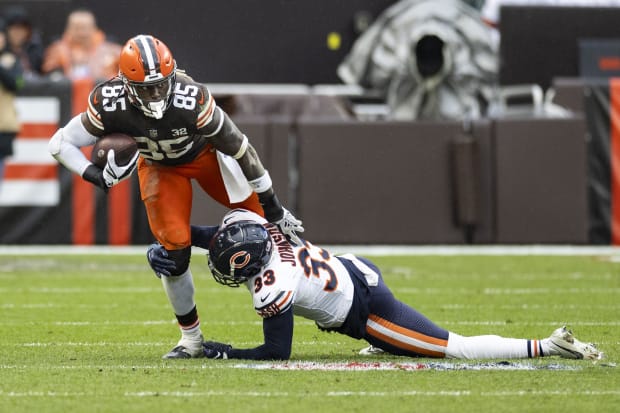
(156, 109)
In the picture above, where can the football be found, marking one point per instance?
(124, 149)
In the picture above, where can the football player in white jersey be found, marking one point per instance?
(343, 293)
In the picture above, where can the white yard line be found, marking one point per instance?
(356, 249)
(258, 394)
(573, 323)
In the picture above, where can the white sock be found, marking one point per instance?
(493, 347)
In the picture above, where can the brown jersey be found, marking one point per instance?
(177, 138)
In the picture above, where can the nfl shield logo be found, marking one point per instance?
(152, 133)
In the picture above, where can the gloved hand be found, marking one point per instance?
(113, 173)
(289, 225)
(215, 350)
(159, 261)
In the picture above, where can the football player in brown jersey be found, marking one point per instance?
(182, 135)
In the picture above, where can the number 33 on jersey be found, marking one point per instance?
(306, 277)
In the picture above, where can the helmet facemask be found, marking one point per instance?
(238, 252)
(152, 97)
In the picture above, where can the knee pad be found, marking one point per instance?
(181, 259)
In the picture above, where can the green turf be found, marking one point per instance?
(86, 334)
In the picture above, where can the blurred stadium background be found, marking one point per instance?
(520, 178)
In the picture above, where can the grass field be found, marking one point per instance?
(85, 333)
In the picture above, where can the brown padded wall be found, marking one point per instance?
(390, 182)
(379, 182)
(541, 181)
(569, 93)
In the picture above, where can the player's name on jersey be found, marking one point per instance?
(285, 249)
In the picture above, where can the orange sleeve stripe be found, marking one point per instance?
(94, 117)
(205, 116)
(285, 300)
(406, 332)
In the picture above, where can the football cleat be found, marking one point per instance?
(564, 344)
(371, 351)
(186, 349)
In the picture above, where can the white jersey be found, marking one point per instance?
(306, 277)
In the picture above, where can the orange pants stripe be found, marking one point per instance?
(405, 338)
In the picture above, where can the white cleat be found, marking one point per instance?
(371, 351)
(564, 344)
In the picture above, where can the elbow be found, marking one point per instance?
(53, 146)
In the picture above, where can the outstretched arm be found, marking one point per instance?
(278, 334)
(158, 256)
(202, 234)
(228, 139)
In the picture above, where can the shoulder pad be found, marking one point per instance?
(109, 89)
(206, 106)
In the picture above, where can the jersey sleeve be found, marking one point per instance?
(274, 296)
(207, 121)
(283, 301)
(93, 111)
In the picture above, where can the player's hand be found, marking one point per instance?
(159, 261)
(215, 350)
(113, 173)
(290, 226)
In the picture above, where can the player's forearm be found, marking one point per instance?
(278, 333)
(65, 146)
(230, 141)
(202, 235)
(263, 352)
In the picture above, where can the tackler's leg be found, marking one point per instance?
(398, 329)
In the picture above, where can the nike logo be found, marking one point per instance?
(262, 299)
(95, 100)
(202, 99)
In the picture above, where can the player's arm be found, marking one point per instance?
(278, 334)
(228, 139)
(83, 130)
(65, 144)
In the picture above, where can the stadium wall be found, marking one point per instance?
(510, 181)
(505, 181)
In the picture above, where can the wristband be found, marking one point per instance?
(94, 175)
(262, 184)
